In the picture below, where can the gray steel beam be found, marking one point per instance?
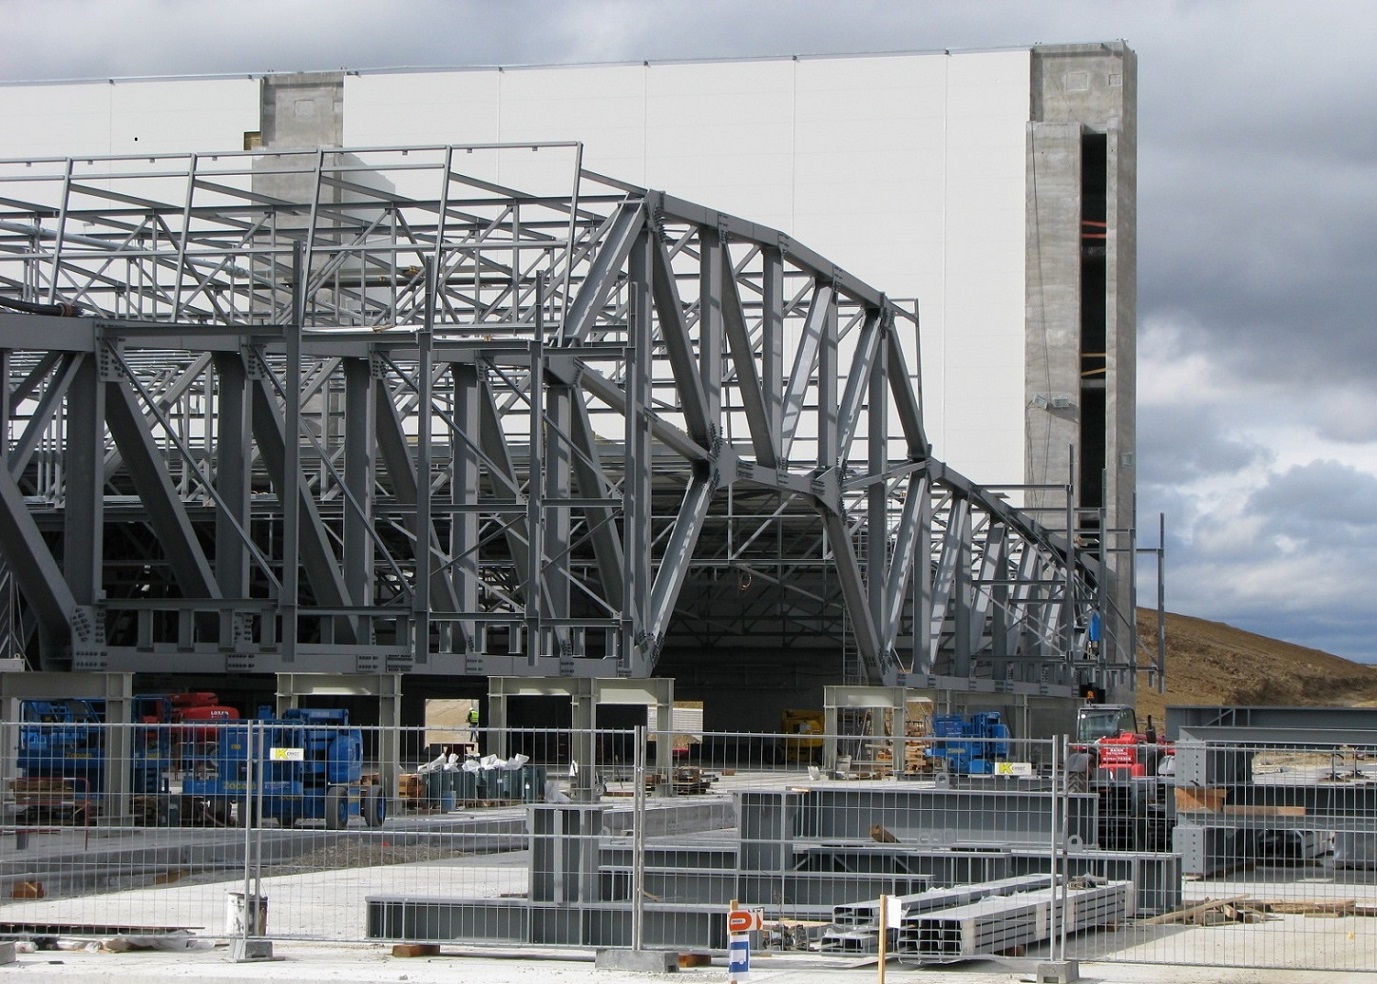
(637, 655)
(877, 538)
(663, 432)
(688, 377)
(38, 575)
(166, 512)
(233, 462)
(1300, 721)
(772, 348)
(465, 477)
(424, 532)
(712, 253)
(557, 429)
(83, 513)
(909, 534)
(502, 473)
(678, 555)
(536, 577)
(755, 396)
(853, 590)
(861, 389)
(805, 363)
(829, 444)
(945, 584)
(622, 230)
(601, 520)
(360, 444)
(983, 611)
(316, 554)
(42, 417)
(159, 400)
(1323, 734)
(402, 472)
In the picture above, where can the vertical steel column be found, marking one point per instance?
(464, 488)
(360, 442)
(420, 590)
(233, 461)
(1068, 605)
(288, 600)
(83, 493)
(878, 537)
(829, 442)
(10, 644)
(710, 323)
(638, 834)
(921, 485)
(535, 499)
(557, 523)
(961, 587)
(5, 414)
(636, 487)
(772, 343)
(1001, 621)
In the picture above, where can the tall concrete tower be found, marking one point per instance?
(1082, 299)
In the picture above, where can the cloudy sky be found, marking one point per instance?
(1257, 223)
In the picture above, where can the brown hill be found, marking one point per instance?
(1211, 663)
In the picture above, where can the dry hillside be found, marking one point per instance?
(1212, 663)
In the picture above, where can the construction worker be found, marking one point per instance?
(474, 718)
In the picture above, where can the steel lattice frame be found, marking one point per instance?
(647, 421)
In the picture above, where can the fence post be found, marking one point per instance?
(638, 840)
(243, 949)
(1057, 968)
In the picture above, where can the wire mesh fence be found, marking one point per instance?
(933, 850)
(1277, 843)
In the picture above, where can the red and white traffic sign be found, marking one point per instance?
(743, 920)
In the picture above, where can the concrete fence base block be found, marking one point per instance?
(250, 951)
(7, 952)
(1058, 971)
(643, 961)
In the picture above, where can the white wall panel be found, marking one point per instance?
(152, 117)
(722, 134)
(906, 170)
(421, 108)
(983, 318)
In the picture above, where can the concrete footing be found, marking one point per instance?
(1058, 971)
(250, 951)
(641, 961)
(7, 952)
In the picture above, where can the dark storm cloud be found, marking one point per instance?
(1277, 267)
(1345, 629)
(1348, 499)
(1257, 191)
(1164, 459)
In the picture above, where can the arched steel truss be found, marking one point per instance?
(542, 433)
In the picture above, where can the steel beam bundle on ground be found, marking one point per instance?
(1003, 923)
(868, 913)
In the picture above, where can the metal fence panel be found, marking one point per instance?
(1277, 844)
(1236, 855)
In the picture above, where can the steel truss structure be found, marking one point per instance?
(478, 411)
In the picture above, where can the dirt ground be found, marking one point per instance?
(1212, 663)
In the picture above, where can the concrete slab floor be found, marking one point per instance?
(305, 963)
